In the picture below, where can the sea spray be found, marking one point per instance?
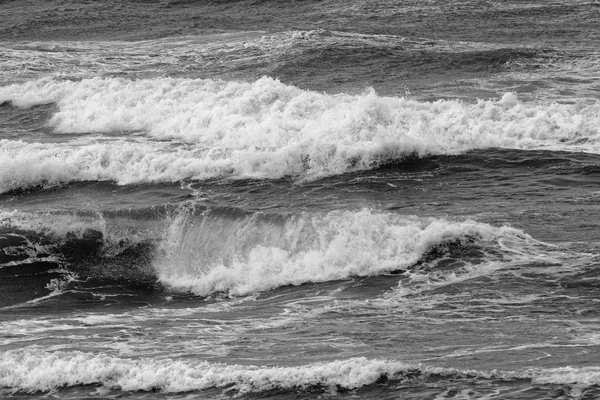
(220, 251)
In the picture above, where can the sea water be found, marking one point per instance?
(317, 199)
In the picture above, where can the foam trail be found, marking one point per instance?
(257, 252)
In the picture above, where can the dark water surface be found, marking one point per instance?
(275, 199)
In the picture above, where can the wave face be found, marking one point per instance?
(207, 251)
(242, 254)
(176, 129)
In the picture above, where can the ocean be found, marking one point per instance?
(268, 199)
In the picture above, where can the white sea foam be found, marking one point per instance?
(269, 114)
(36, 370)
(264, 129)
(25, 165)
(254, 253)
(568, 375)
(52, 224)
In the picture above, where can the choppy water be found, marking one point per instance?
(269, 199)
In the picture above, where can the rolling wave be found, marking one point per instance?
(214, 250)
(36, 370)
(269, 114)
(167, 130)
(257, 252)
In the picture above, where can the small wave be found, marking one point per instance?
(32, 371)
(55, 224)
(91, 244)
(56, 287)
(199, 129)
(35, 370)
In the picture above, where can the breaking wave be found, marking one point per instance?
(245, 253)
(35, 370)
(224, 250)
(168, 129)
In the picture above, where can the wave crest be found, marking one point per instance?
(34, 370)
(197, 129)
(242, 254)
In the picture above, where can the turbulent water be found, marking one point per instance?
(300, 199)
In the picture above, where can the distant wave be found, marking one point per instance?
(37, 370)
(175, 129)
